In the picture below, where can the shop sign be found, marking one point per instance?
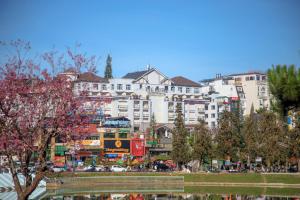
(59, 161)
(258, 159)
(234, 98)
(91, 142)
(117, 145)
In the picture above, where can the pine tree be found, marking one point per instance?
(180, 145)
(202, 145)
(228, 136)
(250, 136)
(108, 68)
(153, 134)
(294, 140)
(284, 83)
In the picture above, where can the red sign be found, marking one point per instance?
(234, 98)
(137, 147)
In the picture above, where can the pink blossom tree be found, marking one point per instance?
(36, 106)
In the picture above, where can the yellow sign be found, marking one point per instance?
(118, 143)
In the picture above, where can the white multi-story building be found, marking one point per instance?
(139, 95)
(142, 94)
(255, 88)
(222, 95)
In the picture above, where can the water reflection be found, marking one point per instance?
(170, 196)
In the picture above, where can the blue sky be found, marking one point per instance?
(196, 39)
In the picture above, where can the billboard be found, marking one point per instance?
(117, 146)
(138, 147)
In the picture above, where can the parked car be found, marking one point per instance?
(100, 168)
(89, 168)
(161, 167)
(116, 168)
(58, 169)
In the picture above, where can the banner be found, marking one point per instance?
(138, 147)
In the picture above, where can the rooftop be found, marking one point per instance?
(91, 77)
(182, 81)
(135, 75)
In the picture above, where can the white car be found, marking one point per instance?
(58, 169)
(116, 168)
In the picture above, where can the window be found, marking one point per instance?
(257, 77)
(112, 86)
(166, 88)
(212, 115)
(109, 135)
(206, 116)
(196, 90)
(122, 135)
(141, 86)
(180, 89)
(213, 124)
(213, 107)
(95, 86)
(128, 87)
(252, 78)
(206, 107)
(172, 88)
(119, 87)
(103, 87)
(187, 90)
(263, 78)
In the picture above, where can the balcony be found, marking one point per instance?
(201, 110)
(123, 107)
(238, 83)
(146, 108)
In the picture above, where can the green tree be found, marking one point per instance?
(202, 145)
(271, 140)
(108, 68)
(294, 140)
(180, 152)
(284, 84)
(250, 136)
(228, 137)
(153, 134)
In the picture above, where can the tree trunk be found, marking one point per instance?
(248, 162)
(298, 164)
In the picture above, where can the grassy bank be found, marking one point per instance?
(200, 177)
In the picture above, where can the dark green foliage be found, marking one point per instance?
(153, 134)
(202, 146)
(228, 137)
(294, 141)
(108, 68)
(284, 84)
(250, 135)
(180, 152)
